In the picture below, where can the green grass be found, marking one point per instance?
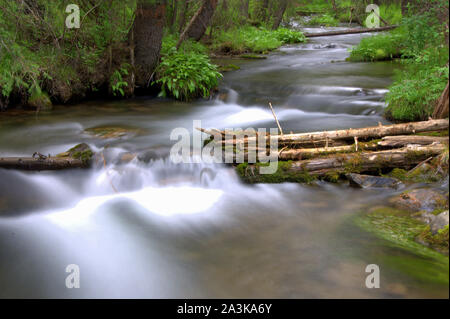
(325, 20)
(413, 95)
(378, 47)
(254, 40)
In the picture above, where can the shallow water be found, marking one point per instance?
(194, 230)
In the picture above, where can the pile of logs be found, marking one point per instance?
(366, 149)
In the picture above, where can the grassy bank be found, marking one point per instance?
(422, 45)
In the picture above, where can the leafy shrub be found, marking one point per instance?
(254, 40)
(412, 97)
(288, 36)
(379, 47)
(186, 73)
(323, 20)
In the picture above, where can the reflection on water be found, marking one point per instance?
(156, 229)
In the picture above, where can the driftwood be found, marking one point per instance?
(349, 134)
(37, 164)
(79, 156)
(349, 31)
(405, 157)
(399, 141)
(369, 161)
(297, 154)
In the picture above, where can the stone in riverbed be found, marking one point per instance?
(366, 181)
(420, 200)
(439, 222)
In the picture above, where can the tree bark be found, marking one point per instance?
(349, 31)
(244, 8)
(368, 161)
(280, 13)
(183, 14)
(148, 32)
(400, 141)
(174, 14)
(441, 110)
(263, 6)
(405, 157)
(199, 22)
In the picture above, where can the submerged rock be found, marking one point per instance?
(107, 132)
(366, 181)
(420, 200)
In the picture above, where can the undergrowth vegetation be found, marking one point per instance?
(421, 44)
(186, 73)
(254, 40)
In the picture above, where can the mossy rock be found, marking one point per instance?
(40, 101)
(228, 68)
(81, 152)
(400, 230)
(420, 200)
(253, 56)
(250, 173)
(109, 132)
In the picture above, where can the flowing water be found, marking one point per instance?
(156, 229)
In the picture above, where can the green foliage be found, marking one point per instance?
(39, 53)
(421, 82)
(254, 40)
(288, 36)
(323, 20)
(117, 82)
(413, 95)
(186, 73)
(379, 47)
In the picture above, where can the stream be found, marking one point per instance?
(194, 230)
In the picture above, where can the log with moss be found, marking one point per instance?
(332, 166)
(79, 156)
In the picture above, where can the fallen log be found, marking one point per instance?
(37, 164)
(337, 164)
(361, 133)
(400, 141)
(305, 153)
(349, 31)
(79, 156)
(367, 161)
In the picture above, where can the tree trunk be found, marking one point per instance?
(174, 14)
(148, 32)
(333, 2)
(404, 7)
(183, 14)
(199, 22)
(244, 8)
(280, 13)
(263, 7)
(441, 110)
